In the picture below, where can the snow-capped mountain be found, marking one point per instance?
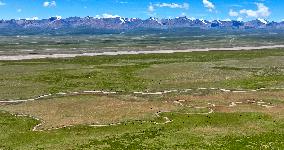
(119, 23)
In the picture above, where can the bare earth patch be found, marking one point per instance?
(82, 109)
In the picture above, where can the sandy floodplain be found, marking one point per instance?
(39, 56)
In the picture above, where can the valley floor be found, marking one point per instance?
(185, 100)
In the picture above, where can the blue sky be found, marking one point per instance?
(203, 9)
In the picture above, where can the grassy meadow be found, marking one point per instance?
(196, 100)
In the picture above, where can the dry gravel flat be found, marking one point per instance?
(38, 56)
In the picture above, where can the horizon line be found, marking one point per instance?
(156, 18)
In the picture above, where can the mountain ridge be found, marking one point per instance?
(126, 24)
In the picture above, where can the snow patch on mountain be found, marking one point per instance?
(262, 20)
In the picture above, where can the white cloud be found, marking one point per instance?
(32, 18)
(106, 15)
(183, 14)
(240, 19)
(45, 4)
(123, 2)
(262, 11)
(173, 5)
(233, 13)
(151, 8)
(49, 4)
(110, 16)
(208, 5)
(2, 3)
(228, 19)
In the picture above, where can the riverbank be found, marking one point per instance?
(39, 56)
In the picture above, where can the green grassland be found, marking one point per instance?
(183, 38)
(215, 131)
(176, 120)
(154, 72)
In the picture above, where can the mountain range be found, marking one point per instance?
(126, 24)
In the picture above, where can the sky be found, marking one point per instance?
(201, 9)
